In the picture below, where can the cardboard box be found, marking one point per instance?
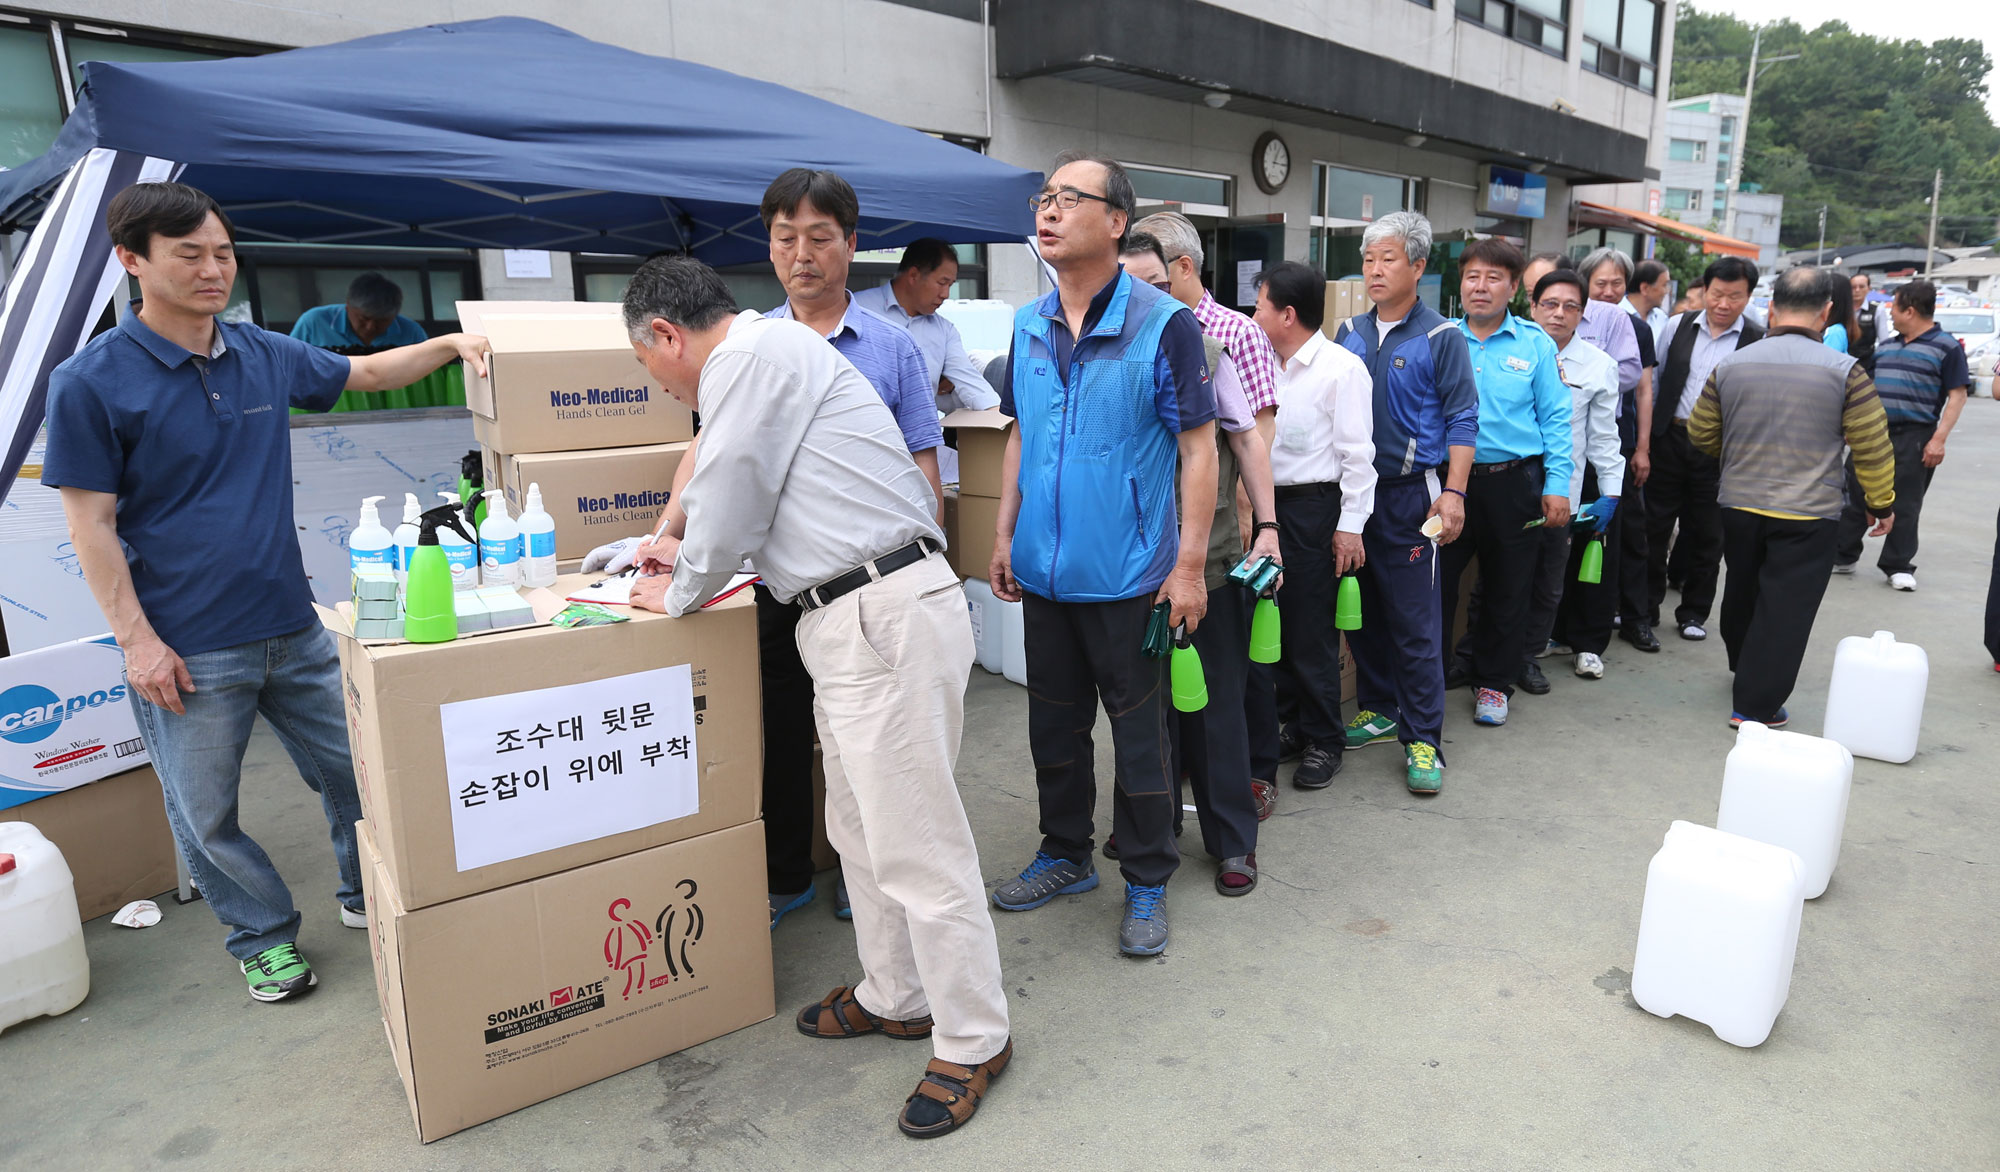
(505, 999)
(113, 834)
(501, 800)
(561, 378)
(971, 549)
(65, 719)
(593, 496)
(1344, 299)
(982, 448)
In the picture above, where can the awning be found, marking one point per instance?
(1602, 215)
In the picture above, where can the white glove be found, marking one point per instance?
(616, 557)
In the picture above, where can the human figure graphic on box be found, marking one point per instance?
(812, 219)
(802, 468)
(691, 925)
(169, 436)
(370, 320)
(626, 947)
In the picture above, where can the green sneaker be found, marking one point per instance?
(278, 973)
(1426, 776)
(1370, 728)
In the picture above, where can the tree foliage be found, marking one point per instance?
(1859, 123)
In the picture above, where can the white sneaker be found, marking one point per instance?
(1590, 665)
(353, 919)
(1553, 648)
(1902, 581)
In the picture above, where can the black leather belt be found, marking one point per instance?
(1285, 492)
(867, 572)
(1502, 466)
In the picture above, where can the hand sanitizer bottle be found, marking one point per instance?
(462, 554)
(538, 534)
(370, 544)
(499, 543)
(406, 537)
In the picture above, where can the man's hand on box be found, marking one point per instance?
(650, 593)
(615, 558)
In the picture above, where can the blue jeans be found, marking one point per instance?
(294, 681)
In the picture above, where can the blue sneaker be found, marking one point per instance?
(780, 904)
(1783, 718)
(1489, 707)
(842, 909)
(1045, 878)
(1144, 932)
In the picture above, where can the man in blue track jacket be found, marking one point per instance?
(1426, 419)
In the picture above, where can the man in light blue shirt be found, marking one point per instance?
(923, 282)
(372, 319)
(1521, 466)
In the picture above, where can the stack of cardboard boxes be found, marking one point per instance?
(72, 764)
(562, 851)
(972, 514)
(1345, 299)
(564, 405)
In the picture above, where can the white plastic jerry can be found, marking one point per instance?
(1013, 643)
(43, 969)
(984, 608)
(1718, 932)
(1790, 790)
(1875, 703)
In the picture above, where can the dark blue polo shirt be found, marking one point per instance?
(199, 454)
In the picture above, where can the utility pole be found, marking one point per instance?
(1930, 244)
(1821, 254)
(1736, 151)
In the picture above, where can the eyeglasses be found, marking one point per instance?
(1166, 287)
(1067, 199)
(1550, 305)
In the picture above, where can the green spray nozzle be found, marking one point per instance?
(447, 515)
(1591, 571)
(1347, 607)
(1266, 642)
(1190, 683)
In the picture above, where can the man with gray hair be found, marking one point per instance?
(803, 466)
(371, 319)
(1426, 416)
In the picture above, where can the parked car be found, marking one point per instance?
(1979, 332)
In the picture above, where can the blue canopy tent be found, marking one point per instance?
(502, 133)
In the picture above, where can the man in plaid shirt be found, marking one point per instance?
(1255, 367)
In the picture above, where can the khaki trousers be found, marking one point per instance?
(889, 663)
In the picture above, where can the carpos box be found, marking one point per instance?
(510, 997)
(982, 448)
(113, 834)
(971, 549)
(493, 760)
(65, 719)
(594, 496)
(561, 378)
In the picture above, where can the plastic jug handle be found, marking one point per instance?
(6, 863)
(1884, 639)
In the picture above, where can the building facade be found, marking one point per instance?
(1282, 129)
(1703, 135)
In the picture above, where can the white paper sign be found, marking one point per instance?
(1246, 282)
(1367, 207)
(534, 771)
(525, 263)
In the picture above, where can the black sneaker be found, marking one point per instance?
(1532, 681)
(1290, 745)
(1316, 768)
(1456, 676)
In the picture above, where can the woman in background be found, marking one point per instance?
(1841, 324)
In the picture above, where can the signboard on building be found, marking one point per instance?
(1503, 191)
(1653, 201)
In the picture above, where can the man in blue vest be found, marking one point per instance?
(1108, 384)
(1426, 418)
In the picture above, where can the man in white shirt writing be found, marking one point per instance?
(802, 465)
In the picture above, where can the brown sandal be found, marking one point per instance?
(955, 1088)
(839, 1015)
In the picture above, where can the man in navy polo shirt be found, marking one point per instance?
(169, 438)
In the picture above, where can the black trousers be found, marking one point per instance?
(1260, 719)
(1584, 619)
(1081, 654)
(1497, 506)
(1308, 515)
(1632, 545)
(1777, 575)
(1913, 480)
(788, 745)
(1215, 742)
(1993, 601)
(1682, 489)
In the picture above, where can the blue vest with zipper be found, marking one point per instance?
(1098, 465)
